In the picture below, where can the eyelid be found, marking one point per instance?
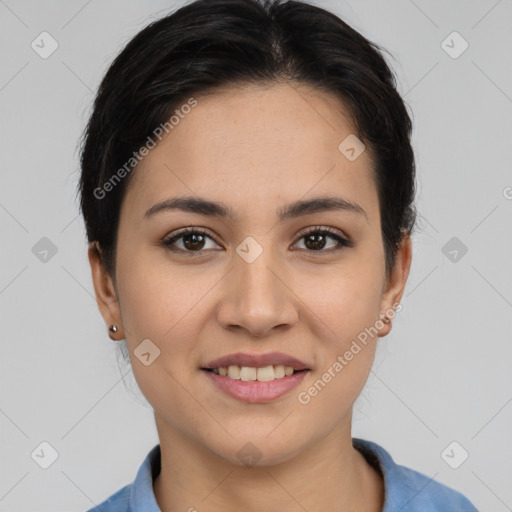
(327, 229)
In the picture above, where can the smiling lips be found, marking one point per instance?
(256, 377)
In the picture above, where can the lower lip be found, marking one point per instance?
(254, 390)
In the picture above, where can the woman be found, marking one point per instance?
(247, 188)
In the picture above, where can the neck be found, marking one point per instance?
(328, 475)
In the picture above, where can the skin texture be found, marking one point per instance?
(254, 149)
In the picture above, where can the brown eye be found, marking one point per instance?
(317, 239)
(193, 240)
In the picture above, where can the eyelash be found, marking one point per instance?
(342, 242)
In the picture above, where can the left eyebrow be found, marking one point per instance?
(201, 206)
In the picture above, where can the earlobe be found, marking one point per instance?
(104, 288)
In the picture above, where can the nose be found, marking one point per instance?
(257, 297)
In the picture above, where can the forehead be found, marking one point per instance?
(255, 144)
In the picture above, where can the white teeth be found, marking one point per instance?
(233, 372)
(248, 373)
(279, 372)
(266, 373)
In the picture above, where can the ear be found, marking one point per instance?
(394, 287)
(106, 294)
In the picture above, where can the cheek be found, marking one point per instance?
(168, 305)
(344, 316)
(157, 297)
(346, 301)
(164, 307)
(343, 308)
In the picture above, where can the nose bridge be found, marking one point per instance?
(256, 287)
(257, 280)
(257, 298)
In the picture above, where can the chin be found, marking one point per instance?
(250, 449)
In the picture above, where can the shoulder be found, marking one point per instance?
(118, 502)
(426, 494)
(407, 489)
(137, 496)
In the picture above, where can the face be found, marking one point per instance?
(255, 281)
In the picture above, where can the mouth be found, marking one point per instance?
(243, 386)
(268, 365)
(255, 377)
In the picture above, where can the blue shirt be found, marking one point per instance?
(406, 490)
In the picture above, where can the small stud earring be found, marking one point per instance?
(112, 328)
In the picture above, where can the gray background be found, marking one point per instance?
(442, 375)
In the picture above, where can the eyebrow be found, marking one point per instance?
(201, 206)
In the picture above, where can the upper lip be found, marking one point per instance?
(256, 360)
